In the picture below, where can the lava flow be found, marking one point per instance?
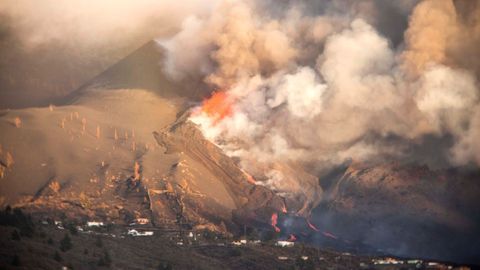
(329, 235)
(284, 208)
(311, 226)
(218, 106)
(326, 234)
(250, 178)
(292, 238)
(274, 222)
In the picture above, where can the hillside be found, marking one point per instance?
(404, 209)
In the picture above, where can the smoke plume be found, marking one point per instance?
(319, 84)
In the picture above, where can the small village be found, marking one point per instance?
(141, 227)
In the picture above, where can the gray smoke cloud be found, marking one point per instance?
(326, 82)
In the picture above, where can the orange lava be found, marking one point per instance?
(274, 222)
(250, 178)
(292, 238)
(330, 235)
(218, 106)
(326, 234)
(312, 226)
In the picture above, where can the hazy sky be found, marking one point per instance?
(49, 48)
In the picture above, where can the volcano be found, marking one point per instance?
(122, 148)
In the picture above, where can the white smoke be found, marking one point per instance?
(324, 89)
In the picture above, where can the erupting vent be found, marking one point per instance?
(218, 106)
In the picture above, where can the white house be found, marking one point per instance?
(242, 242)
(94, 224)
(59, 224)
(137, 233)
(282, 243)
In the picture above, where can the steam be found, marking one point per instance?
(324, 88)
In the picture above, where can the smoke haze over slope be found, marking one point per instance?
(50, 48)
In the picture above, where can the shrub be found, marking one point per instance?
(66, 243)
(304, 264)
(18, 219)
(209, 235)
(72, 229)
(105, 260)
(57, 257)
(165, 266)
(16, 260)
(42, 234)
(235, 252)
(99, 242)
(16, 235)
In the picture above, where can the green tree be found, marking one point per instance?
(302, 264)
(72, 229)
(16, 260)
(235, 252)
(66, 243)
(269, 236)
(57, 257)
(105, 260)
(209, 235)
(99, 242)
(16, 235)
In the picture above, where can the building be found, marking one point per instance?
(94, 224)
(282, 243)
(141, 233)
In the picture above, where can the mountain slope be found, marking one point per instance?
(405, 210)
(100, 156)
